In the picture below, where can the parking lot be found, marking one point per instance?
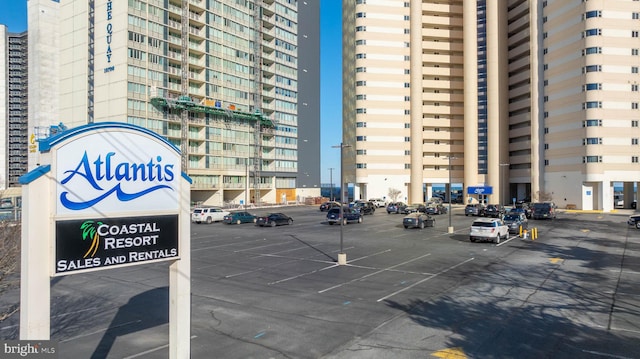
(262, 292)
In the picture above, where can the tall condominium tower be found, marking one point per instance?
(219, 79)
(13, 107)
(512, 99)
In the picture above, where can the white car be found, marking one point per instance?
(488, 229)
(378, 202)
(208, 214)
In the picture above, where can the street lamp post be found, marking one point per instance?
(331, 180)
(342, 257)
(450, 229)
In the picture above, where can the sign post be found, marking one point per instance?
(113, 195)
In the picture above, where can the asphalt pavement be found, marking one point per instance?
(404, 293)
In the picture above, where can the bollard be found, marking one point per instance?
(534, 234)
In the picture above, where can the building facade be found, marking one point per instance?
(516, 99)
(220, 80)
(14, 106)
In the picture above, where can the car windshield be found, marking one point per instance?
(511, 218)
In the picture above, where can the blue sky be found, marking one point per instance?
(13, 14)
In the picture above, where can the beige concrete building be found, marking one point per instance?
(220, 80)
(506, 99)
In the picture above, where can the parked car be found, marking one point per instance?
(544, 210)
(350, 215)
(328, 205)
(239, 217)
(418, 220)
(494, 210)
(365, 207)
(523, 207)
(413, 209)
(395, 207)
(274, 219)
(488, 229)
(476, 209)
(378, 202)
(208, 214)
(515, 221)
(634, 220)
(435, 208)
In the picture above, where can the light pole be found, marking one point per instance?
(331, 180)
(502, 165)
(450, 230)
(342, 257)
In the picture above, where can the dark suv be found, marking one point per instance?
(474, 210)
(494, 210)
(544, 210)
(365, 207)
(350, 215)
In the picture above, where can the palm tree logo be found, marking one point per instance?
(90, 230)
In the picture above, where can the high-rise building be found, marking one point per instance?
(220, 80)
(13, 107)
(512, 99)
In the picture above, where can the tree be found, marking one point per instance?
(393, 194)
(10, 237)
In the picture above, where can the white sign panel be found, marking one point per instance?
(104, 172)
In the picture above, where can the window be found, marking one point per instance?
(361, 124)
(361, 83)
(546, 146)
(634, 69)
(407, 166)
(591, 141)
(361, 138)
(361, 28)
(361, 56)
(634, 34)
(592, 50)
(361, 14)
(407, 98)
(407, 139)
(361, 110)
(361, 152)
(634, 105)
(361, 165)
(591, 87)
(592, 123)
(546, 162)
(634, 123)
(635, 16)
(591, 159)
(592, 104)
(594, 13)
(634, 159)
(634, 88)
(592, 68)
(592, 32)
(634, 52)
(634, 141)
(361, 42)
(407, 125)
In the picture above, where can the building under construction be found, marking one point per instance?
(220, 80)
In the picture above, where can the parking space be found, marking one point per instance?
(279, 292)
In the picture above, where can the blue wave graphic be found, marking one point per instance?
(122, 196)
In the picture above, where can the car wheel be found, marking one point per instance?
(209, 220)
(472, 240)
(255, 220)
(331, 223)
(638, 225)
(360, 220)
(421, 225)
(238, 221)
(272, 224)
(466, 214)
(405, 227)
(498, 237)
(290, 222)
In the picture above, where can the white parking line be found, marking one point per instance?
(304, 274)
(424, 280)
(374, 273)
(507, 241)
